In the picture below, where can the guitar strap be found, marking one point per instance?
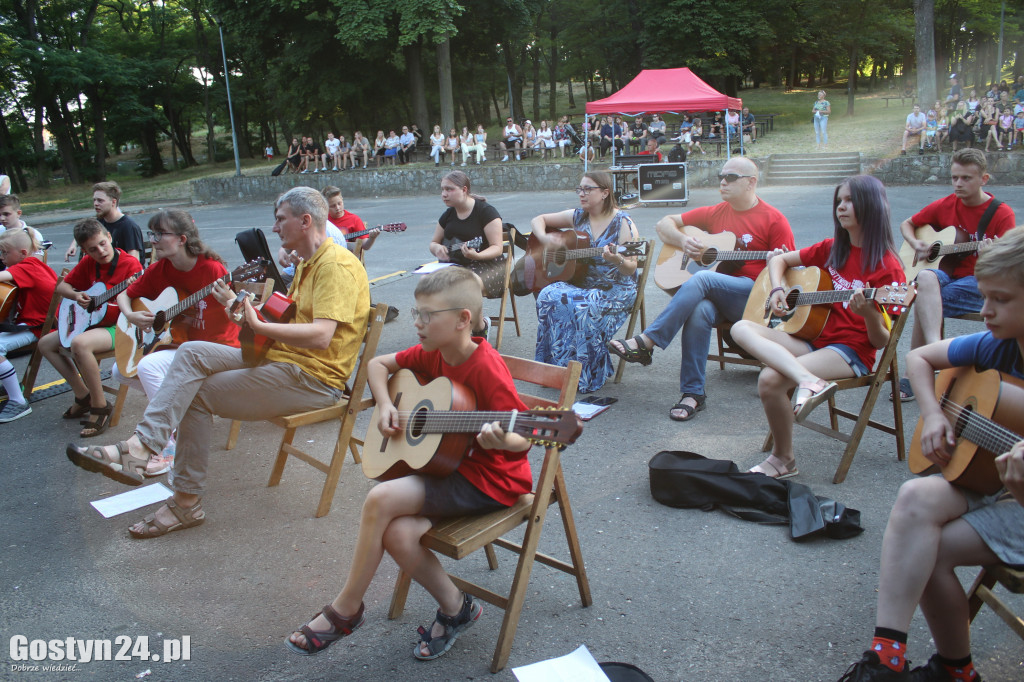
(111, 269)
(986, 217)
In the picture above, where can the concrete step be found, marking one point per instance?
(836, 156)
(806, 180)
(786, 172)
(790, 165)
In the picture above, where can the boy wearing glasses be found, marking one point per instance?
(125, 234)
(396, 513)
(108, 265)
(714, 295)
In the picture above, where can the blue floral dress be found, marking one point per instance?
(576, 323)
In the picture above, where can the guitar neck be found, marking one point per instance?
(113, 291)
(362, 233)
(742, 255)
(186, 303)
(962, 247)
(470, 421)
(979, 429)
(832, 296)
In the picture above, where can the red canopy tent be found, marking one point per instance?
(658, 90)
(661, 90)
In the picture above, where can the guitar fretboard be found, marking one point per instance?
(188, 302)
(962, 247)
(472, 243)
(112, 292)
(831, 296)
(737, 255)
(461, 422)
(978, 429)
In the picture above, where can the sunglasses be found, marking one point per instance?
(731, 177)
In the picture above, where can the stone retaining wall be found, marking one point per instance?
(486, 179)
(933, 169)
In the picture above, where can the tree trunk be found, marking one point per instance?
(553, 76)
(497, 107)
(572, 96)
(852, 85)
(414, 69)
(7, 161)
(42, 168)
(151, 148)
(99, 131)
(65, 142)
(924, 48)
(516, 108)
(444, 86)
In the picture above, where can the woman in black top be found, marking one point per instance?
(470, 217)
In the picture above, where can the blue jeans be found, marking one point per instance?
(821, 129)
(959, 296)
(701, 302)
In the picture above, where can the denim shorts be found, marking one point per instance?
(959, 296)
(454, 495)
(848, 355)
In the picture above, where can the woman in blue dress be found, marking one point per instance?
(576, 322)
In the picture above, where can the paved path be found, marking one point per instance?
(684, 594)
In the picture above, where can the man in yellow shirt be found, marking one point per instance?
(306, 368)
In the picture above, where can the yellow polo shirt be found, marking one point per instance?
(332, 285)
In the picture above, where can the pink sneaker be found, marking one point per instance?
(162, 463)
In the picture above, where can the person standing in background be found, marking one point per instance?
(821, 111)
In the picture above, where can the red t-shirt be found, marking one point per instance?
(499, 474)
(843, 325)
(761, 228)
(349, 223)
(88, 272)
(36, 282)
(951, 211)
(205, 321)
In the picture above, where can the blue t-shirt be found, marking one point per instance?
(984, 351)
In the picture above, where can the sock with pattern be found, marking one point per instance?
(891, 647)
(960, 669)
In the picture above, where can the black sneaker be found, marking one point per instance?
(933, 672)
(870, 669)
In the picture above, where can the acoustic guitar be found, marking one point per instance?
(8, 295)
(560, 261)
(809, 295)
(981, 406)
(73, 319)
(474, 243)
(438, 424)
(940, 243)
(132, 343)
(389, 227)
(674, 267)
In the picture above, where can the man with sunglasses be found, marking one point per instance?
(714, 295)
(512, 137)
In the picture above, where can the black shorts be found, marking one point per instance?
(455, 496)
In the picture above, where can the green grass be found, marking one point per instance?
(874, 130)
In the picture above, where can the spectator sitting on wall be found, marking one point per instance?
(748, 124)
(637, 135)
(914, 127)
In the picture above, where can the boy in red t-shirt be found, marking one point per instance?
(110, 266)
(397, 513)
(35, 282)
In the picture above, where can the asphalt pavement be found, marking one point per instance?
(684, 594)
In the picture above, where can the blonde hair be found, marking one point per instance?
(1003, 258)
(458, 287)
(16, 240)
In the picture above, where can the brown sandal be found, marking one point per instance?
(97, 426)
(127, 468)
(187, 518)
(318, 640)
(78, 409)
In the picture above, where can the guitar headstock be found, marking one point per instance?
(393, 227)
(632, 249)
(549, 427)
(254, 269)
(898, 295)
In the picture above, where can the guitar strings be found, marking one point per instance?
(984, 432)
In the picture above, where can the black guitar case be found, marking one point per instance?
(253, 244)
(277, 171)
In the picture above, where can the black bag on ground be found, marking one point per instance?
(277, 171)
(677, 154)
(691, 481)
(253, 244)
(624, 672)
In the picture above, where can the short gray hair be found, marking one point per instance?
(303, 200)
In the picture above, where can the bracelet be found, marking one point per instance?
(772, 292)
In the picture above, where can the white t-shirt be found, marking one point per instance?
(2, 178)
(332, 145)
(916, 120)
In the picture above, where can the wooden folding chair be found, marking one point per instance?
(981, 593)
(458, 537)
(639, 308)
(119, 392)
(344, 411)
(886, 371)
(509, 248)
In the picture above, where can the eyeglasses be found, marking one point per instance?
(424, 315)
(732, 177)
(157, 236)
(584, 191)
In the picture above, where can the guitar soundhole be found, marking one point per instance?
(417, 422)
(558, 257)
(415, 429)
(961, 421)
(933, 252)
(709, 256)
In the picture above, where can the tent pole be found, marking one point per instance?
(728, 148)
